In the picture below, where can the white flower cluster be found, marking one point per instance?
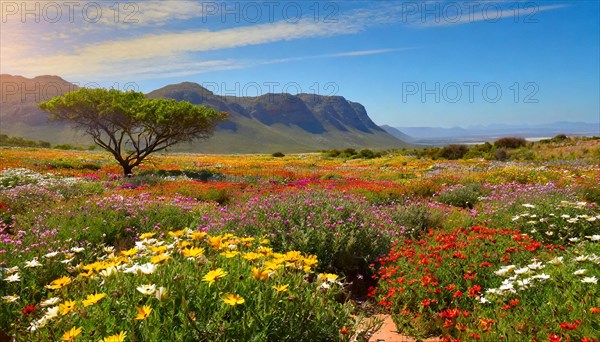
(10, 178)
(526, 277)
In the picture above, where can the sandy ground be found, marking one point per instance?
(388, 333)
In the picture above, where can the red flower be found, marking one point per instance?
(470, 275)
(474, 336)
(425, 302)
(570, 326)
(588, 339)
(514, 302)
(344, 330)
(506, 307)
(461, 327)
(450, 287)
(485, 264)
(457, 294)
(28, 309)
(554, 338)
(474, 291)
(595, 310)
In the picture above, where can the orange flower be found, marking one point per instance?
(143, 312)
(595, 310)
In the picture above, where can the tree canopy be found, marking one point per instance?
(131, 126)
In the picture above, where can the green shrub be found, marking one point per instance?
(464, 196)
(510, 142)
(278, 155)
(453, 151)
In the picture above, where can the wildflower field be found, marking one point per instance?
(302, 247)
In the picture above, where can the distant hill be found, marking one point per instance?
(397, 133)
(292, 123)
(262, 124)
(471, 134)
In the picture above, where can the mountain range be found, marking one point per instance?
(481, 133)
(262, 124)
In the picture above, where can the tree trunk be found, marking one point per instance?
(127, 170)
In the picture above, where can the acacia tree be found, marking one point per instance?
(130, 126)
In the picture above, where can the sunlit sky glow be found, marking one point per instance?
(410, 63)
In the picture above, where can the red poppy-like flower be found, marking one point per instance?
(485, 264)
(28, 309)
(457, 294)
(474, 291)
(570, 325)
(554, 338)
(514, 302)
(344, 330)
(506, 307)
(425, 302)
(461, 327)
(474, 336)
(470, 275)
(595, 310)
(450, 287)
(588, 339)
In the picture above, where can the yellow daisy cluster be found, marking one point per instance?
(150, 253)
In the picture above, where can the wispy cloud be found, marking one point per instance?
(161, 50)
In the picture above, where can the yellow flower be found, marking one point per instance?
(87, 274)
(216, 242)
(67, 307)
(233, 299)
(273, 265)
(292, 256)
(130, 252)
(230, 254)
(143, 312)
(157, 259)
(176, 233)
(120, 337)
(265, 250)
(192, 252)
(71, 334)
(158, 250)
(250, 256)
(328, 277)
(281, 288)
(59, 283)
(93, 299)
(213, 275)
(198, 235)
(146, 236)
(260, 275)
(183, 244)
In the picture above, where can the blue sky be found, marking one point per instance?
(410, 63)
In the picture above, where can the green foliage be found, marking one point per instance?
(130, 126)
(351, 153)
(278, 155)
(464, 196)
(484, 150)
(416, 218)
(6, 140)
(453, 152)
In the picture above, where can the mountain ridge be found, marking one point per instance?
(262, 124)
